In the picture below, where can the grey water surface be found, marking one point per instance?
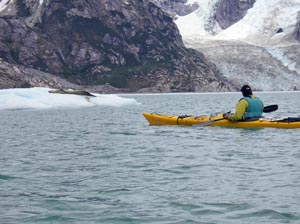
(107, 165)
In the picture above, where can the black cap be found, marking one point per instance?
(246, 90)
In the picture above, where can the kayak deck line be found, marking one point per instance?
(218, 120)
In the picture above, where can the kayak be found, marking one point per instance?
(218, 120)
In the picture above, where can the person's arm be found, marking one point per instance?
(239, 111)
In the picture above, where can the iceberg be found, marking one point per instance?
(40, 98)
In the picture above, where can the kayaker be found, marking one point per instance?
(249, 107)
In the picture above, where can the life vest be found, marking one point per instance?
(254, 109)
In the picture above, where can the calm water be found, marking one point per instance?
(107, 165)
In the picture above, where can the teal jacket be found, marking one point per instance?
(254, 109)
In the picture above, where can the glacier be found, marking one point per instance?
(252, 50)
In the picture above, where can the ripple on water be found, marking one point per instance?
(267, 214)
(7, 177)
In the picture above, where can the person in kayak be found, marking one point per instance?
(249, 107)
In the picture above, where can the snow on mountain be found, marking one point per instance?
(4, 4)
(199, 22)
(265, 21)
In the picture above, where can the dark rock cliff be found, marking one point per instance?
(127, 44)
(297, 31)
(231, 11)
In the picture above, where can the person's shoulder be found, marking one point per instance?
(243, 100)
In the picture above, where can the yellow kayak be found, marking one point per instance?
(218, 120)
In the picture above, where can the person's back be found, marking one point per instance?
(254, 107)
(249, 107)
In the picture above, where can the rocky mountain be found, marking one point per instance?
(18, 76)
(130, 45)
(250, 41)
